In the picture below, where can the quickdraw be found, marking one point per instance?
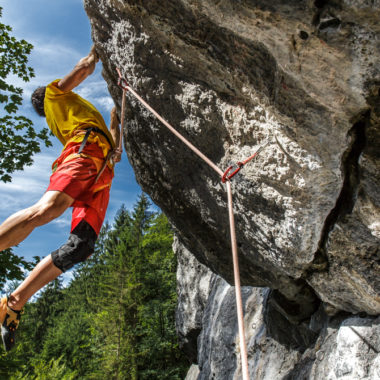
(227, 176)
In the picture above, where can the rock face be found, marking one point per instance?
(195, 282)
(302, 75)
(324, 348)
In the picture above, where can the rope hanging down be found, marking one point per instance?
(225, 177)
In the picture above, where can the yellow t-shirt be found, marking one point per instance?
(67, 113)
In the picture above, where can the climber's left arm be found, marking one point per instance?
(115, 132)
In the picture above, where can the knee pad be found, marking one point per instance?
(78, 248)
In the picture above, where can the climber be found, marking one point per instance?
(81, 179)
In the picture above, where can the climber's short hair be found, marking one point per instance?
(38, 98)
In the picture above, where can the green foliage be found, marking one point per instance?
(52, 370)
(40, 317)
(12, 267)
(12, 270)
(116, 318)
(140, 319)
(10, 364)
(18, 139)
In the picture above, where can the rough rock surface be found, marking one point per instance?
(228, 74)
(303, 75)
(195, 282)
(342, 347)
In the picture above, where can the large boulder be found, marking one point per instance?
(304, 77)
(229, 75)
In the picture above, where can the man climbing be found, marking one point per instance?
(81, 179)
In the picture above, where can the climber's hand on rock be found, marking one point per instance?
(93, 55)
(90, 61)
(81, 71)
(116, 155)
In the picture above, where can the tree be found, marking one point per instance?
(139, 284)
(47, 371)
(12, 267)
(116, 318)
(159, 355)
(18, 139)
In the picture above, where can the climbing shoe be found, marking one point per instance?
(9, 320)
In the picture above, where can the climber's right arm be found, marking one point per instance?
(81, 71)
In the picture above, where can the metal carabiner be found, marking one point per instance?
(121, 82)
(226, 176)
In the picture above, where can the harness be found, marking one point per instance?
(87, 135)
(104, 162)
(100, 163)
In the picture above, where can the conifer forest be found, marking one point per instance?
(115, 319)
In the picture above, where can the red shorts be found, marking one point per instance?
(75, 176)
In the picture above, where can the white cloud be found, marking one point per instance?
(51, 63)
(63, 221)
(93, 86)
(105, 102)
(67, 277)
(27, 186)
(94, 89)
(53, 58)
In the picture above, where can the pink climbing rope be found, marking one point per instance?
(239, 302)
(225, 179)
(124, 85)
(122, 121)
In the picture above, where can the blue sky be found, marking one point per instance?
(61, 35)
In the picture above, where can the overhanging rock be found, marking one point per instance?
(228, 74)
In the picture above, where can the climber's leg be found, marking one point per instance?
(11, 307)
(78, 248)
(19, 225)
(43, 273)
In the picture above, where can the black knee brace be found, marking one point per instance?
(78, 247)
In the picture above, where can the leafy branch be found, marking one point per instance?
(18, 139)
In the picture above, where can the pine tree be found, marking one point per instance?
(116, 318)
(12, 267)
(160, 357)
